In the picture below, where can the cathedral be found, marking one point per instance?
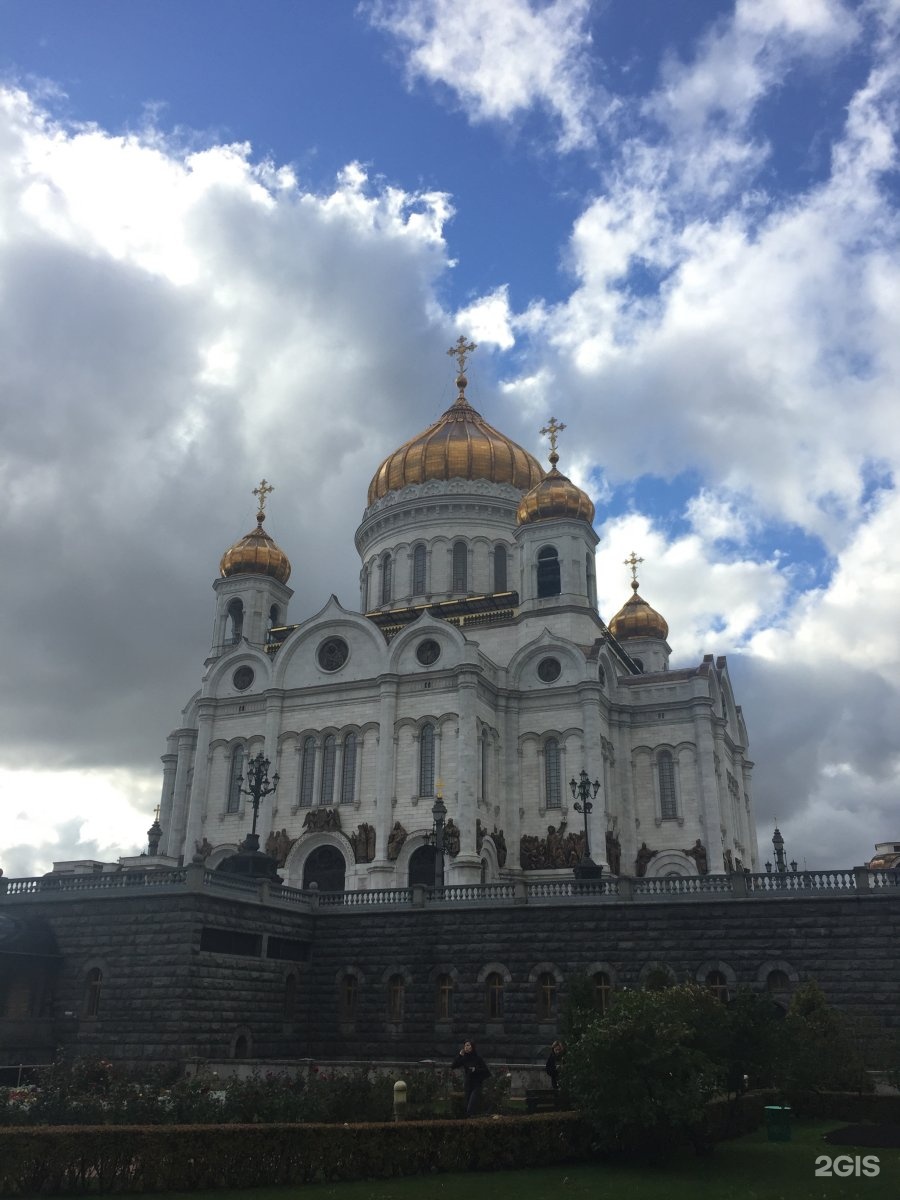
(475, 700)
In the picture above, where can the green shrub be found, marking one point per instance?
(819, 1052)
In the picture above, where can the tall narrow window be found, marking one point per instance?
(307, 772)
(485, 753)
(235, 621)
(348, 769)
(552, 783)
(326, 791)
(396, 997)
(274, 616)
(460, 567)
(718, 985)
(93, 988)
(668, 805)
(546, 996)
(493, 996)
(444, 998)
(548, 578)
(426, 760)
(364, 588)
(500, 584)
(387, 572)
(418, 580)
(591, 577)
(235, 771)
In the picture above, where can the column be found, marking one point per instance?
(594, 765)
(272, 730)
(706, 790)
(174, 832)
(384, 776)
(198, 798)
(466, 867)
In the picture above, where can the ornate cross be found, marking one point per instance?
(461, 352)
(632, 561)
(551, 430)
(263, 492)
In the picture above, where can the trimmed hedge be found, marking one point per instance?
(184, 1158)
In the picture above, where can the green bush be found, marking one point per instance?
(819, 1051)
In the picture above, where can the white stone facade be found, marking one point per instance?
(372, 737)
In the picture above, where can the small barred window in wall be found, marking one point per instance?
(348, 769)
(552, 782)
(307, 772)
(348, 997)
(546, 996)
(718, 985)
(419, 571)
(93, 988)
(668, 804)
(235, 772)
(326, 793)
(493, 996)
(500, 583)
(396, 997)
(460, 567)
(426, 760)
(444, 997)
(602, 991)
(387, 571)
(548, 576)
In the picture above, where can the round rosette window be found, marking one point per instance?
(332, 654)
(549, 670)
(428, 652)
(243, 678)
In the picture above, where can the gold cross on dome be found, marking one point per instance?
(461, 352)
(632, 561)
(263, 492)
(551, 430)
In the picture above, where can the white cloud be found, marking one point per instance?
(488, 320)
(503, 58)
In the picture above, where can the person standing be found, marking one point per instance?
(557, 1051)
(475, 1071)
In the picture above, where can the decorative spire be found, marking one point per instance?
(552, 429)
(262, 493)
(461, 352)
(154, 834)
(632, 561)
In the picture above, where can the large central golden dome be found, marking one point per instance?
(459, 445)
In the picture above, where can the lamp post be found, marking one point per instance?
(583, 791)
(258, 786)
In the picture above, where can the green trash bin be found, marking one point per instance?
(778, 1123)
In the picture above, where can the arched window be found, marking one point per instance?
(396, 997)
(325, 868)
(777, 983)
(485, 756)
(364, 588)
(326, 791)
(348, 998)
(443, 998)
(718, 985)
(235, 772)
(421, 867)
(548, 578)
(274, 616)
(93, 986)
(236, 621)
(493, 996)
(426, 760)
(668, 803)
(241, 1048)
(460, 567)
(387, 572)
(290, 997)
(552, 780)
(307, 772)
(546, 996)
(348, 769)
(602, 992)
(500, 583)
(418, 579)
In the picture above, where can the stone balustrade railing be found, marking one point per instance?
(195, 877)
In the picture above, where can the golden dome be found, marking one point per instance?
(459, 445)
(555, 496)
(257, 553)
(636, 619)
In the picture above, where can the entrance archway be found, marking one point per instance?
(326, 868)
(421, 866)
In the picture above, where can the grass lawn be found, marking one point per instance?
(750, 1168)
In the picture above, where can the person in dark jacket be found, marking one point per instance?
(557, 1051)
(475, 1073)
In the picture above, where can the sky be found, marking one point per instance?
(236, 240)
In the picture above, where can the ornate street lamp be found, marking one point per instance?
(583, 791)
(258, 786)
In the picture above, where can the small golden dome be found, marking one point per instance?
(257, 553)
(636, 619)
(459, 445)
(555, 496)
